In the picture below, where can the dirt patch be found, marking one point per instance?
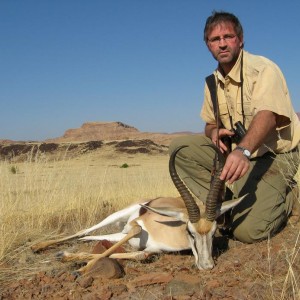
(266, 270)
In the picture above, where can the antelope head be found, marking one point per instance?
(200, 226)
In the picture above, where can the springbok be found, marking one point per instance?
(163, 224)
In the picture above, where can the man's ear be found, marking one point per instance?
(241, 38)
(176, 213)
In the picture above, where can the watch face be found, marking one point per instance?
(247, 153)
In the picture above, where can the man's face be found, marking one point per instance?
(224, 45)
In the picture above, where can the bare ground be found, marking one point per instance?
(265, 270)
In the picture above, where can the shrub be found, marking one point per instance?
(13, 169)
(124, 166)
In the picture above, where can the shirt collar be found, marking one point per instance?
(235, 72)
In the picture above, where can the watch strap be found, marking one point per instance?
(245, 151)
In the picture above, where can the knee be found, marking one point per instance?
(249, 233)
(245, 234)
(193, 141)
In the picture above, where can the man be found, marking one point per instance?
(251, 90)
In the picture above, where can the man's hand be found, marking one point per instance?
(236, 166)
(222, 133)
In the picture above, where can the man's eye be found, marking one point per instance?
(229, 36)
(215, 39)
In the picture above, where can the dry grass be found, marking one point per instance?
(290, 287)
(291, 283)
(42, 199)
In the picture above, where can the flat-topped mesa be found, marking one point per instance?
(100, 131)
(116, 125)
(113, 131)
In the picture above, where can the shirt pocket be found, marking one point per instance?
(224, 115)
(223, 110)
(248, 112)
(246, 103)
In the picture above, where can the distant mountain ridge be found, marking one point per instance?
(98, 131)
(90, 137)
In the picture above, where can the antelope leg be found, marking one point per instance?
(138, 255)
(65, 256)
(42, 245)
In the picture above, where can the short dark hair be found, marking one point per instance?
(220, 17)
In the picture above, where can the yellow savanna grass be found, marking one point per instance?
(40, 198)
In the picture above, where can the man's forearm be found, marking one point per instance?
(262, 124)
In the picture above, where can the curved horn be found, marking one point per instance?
(191, 205)
(216, 185)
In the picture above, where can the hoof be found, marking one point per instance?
(37, 248)
(34, 249)
(60, 255)
(76, 274)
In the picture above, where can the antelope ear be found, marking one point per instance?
(229, 204)
(176, 213)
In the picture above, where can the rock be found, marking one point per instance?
(108, 268)
(213, 284)
(151, 278)
(180, 288)
(85, 281)
(99, 248)
(102, 246)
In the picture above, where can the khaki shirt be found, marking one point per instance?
(264, 88)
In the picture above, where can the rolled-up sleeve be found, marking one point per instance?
(270, 93)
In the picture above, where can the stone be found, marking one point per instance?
(108, 268)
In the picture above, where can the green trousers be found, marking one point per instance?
(270, 198)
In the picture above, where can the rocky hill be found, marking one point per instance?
(99, 131)
(90, 137)
(115, 137)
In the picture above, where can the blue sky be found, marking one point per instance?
(141, 62)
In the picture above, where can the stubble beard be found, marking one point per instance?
(227, 59)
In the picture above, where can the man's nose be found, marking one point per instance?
(222, 43)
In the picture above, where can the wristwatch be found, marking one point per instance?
(245, 151)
